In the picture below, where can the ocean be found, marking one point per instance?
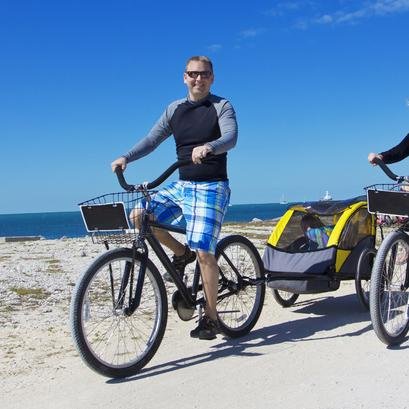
(56, 225)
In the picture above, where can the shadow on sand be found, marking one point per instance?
(325, 314)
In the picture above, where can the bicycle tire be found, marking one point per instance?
(239, 307)
(110, 342)
(388, 301)
(363, 276)
(285, 298)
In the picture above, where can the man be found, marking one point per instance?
(202, 124)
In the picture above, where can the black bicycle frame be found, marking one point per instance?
(188, 295)
(167, 264)
(146, 232)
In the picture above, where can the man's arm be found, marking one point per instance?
(228, 130)
(398, 152)
(160, 131)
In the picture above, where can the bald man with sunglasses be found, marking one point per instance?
(202, 124)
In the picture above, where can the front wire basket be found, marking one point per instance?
(396, 187)
(388, 198)
(106, 217)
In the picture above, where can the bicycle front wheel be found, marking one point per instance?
(388, 300)
(239, 302)
(110, 340)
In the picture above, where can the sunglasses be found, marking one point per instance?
(203, 74)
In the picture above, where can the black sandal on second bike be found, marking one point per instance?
(119, 306)
(389, 293)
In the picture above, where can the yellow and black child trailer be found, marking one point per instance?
(316, 245)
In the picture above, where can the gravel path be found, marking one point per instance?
(320, 353)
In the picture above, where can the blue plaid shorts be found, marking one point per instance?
(199, 207)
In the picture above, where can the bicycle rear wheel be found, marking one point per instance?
(363, 276)
(239, 303)
(111, 341)
(388, 301)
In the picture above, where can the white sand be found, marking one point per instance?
(320, 353)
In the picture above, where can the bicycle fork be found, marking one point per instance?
(127, 283)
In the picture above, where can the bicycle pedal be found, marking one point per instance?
(185, 312)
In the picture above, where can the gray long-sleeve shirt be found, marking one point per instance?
(210, 121)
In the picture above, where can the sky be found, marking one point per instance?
(316, 86)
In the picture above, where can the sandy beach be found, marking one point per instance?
(319, 353)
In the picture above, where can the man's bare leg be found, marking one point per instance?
(169, 241)
(210, 278)
(162, 235)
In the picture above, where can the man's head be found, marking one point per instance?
(198, 77)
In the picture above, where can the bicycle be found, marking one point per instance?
(119, 306)
(388, 301)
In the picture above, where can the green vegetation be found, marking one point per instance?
(7, 308)
(54, 266)
(37, 293)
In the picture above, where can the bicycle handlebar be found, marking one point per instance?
(121, 180)
(389, 173)
(178, 164)
(153, 184)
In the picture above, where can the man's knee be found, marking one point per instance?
(206, 258)
(135, 217)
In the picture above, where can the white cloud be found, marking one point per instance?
(214, 47)
(350, 17)
(407, 102)
(284, 7)
(325, 19)
(366, 10)
(384, 7)
(251, 32)
(349, 11)
(301, 24)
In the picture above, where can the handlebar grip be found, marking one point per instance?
(387, 171)
(122, 181)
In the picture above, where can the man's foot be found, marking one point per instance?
(207, 329)
(180, 262)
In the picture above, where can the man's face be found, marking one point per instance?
(198, 78)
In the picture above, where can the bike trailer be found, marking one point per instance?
(315, 245)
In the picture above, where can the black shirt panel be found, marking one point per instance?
(194, 124)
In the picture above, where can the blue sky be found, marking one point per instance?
(316, 85)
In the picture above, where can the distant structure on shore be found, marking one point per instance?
(326, 197)
(282, 200)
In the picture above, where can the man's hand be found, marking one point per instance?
(120, 162)
(372, 156)
(200, 152)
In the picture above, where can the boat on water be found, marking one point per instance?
(326, 197)
(282, 200)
